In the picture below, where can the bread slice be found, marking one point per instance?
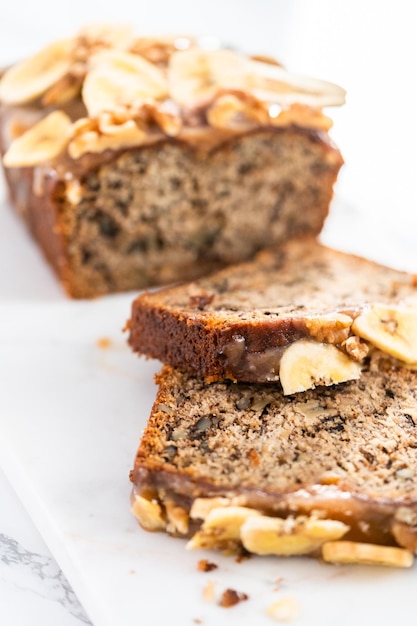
(130, 190)
(332, 462)
(303, 314)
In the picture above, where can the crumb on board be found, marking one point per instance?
(206, 566)
(197, 620)
(284, 610)
(103, 343)
(230, 597)
(208, 591)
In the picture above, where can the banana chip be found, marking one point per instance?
(306, 364)
(392, 329)
(120, 78)
(32, 77)
(196, 76)
(42, 142)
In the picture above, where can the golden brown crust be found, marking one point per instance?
(235, 323)
(345, 453)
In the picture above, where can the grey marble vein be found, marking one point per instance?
(30, 568)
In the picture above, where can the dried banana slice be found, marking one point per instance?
(42, 142)
(306, 364)
(148, 513)
(197, 75)
(120, 78)
(366, 554)
(286, 537)
(392, 329)
(32, 77)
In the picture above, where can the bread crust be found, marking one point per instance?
(343, 453)
(216, 327)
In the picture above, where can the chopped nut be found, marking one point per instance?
(206, 566)
(356, 348)
(303, 116)
(333, 328)
(230, 597)
(405, 535)
(366, 554)
(231, 112)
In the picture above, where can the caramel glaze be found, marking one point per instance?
(370, 519)
(195, 134)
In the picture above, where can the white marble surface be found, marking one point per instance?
(368, 47)
(33, 589)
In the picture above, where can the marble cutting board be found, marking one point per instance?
(71, 414)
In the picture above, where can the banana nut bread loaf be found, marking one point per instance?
(239, 464)
(304, 314)
(139, 161)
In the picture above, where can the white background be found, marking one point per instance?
(369, 47)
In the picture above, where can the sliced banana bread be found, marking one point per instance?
(238, 464)
(303, 314)
(138, 161)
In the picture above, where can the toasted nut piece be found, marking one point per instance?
(333, 328)
(30, 78)
(300, 115)
(306, 364)
(177, 517)
(119, 78)
(405, 535)
(117, 136)
(366, 554)
(392, 329)
(148, 513)
(196, 75)
(201, 507)
(356, 348)
(286, 537)
(231, 112)
(40, 143)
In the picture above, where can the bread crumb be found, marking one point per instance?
(206, 566)
(208, 591)
(103, 343)
(230, 597)
(284, 610)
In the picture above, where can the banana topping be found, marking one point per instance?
(391, 328)
(307, 363)
(30, 78)
(174, 82)
(42, 142)
(197, 76)
(121, 78)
